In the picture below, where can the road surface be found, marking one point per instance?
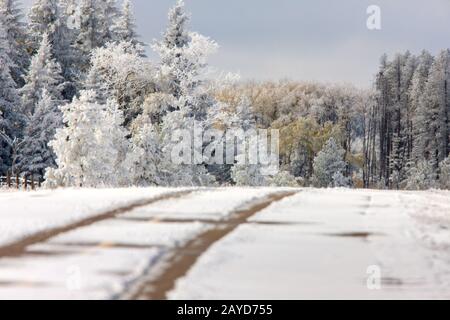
(233, 243)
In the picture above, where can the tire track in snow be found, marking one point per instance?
(182, 259)
(19, 247)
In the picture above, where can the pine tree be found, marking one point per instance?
(12, 18)
(36, 155)
(147, 156)
(96, 27)
(91, 148)
(44, 73)
(125, 27)
(11, 117)
(183, 58)
(420, 111)
(70, 11)
(49, 17)
(43, 19)
(436, 100)
(329, 165)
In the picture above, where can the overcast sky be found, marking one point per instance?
(324, 40)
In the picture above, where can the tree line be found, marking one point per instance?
(81, 105)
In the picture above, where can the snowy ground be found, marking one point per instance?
(311, 244)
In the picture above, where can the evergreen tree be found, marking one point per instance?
(44, 73)
(11, 118)
(12, 19)
(36, 155)
(183, 58)
(436, 100)
(147, 157)
(43, 19)
(96, 27)
(49, 17)
(125, 27)
(420, 110)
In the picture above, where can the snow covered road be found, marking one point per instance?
(229, 243)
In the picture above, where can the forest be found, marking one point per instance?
(81, 105)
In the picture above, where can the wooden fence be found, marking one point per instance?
(29, 182)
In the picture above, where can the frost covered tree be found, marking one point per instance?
(49, 17)
(96, 27)
(44, 73)
(36, 155)
(11, 117)
(437, 103)
(422, 176)
(329, 166)
(70, 12)
(14, 27)
(283, 179)
(444, 174)
(185, 98)
(125, 27)
(91, 148)
(181, 148)
(43, 19)
(146, 157)
(247, 171)
(420, 110)
(183, 57)
(119, 71)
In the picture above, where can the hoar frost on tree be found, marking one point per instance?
(119, 71)
(96, 27)
(247, 171)
(11, 117)
(14, 27)
(329, 166)
(91, 149)
(179, 133)
(183, 60)
(125, 27)
(437, 102)
(444, 174)
(49, 18)
(35, 154)
(421, 176)
(44, 73)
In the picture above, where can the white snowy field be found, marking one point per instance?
(312, 244)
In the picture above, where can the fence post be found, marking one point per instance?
(17, 181)
(8, 179)
(25, 182)
(39, 182)
(32, 182)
